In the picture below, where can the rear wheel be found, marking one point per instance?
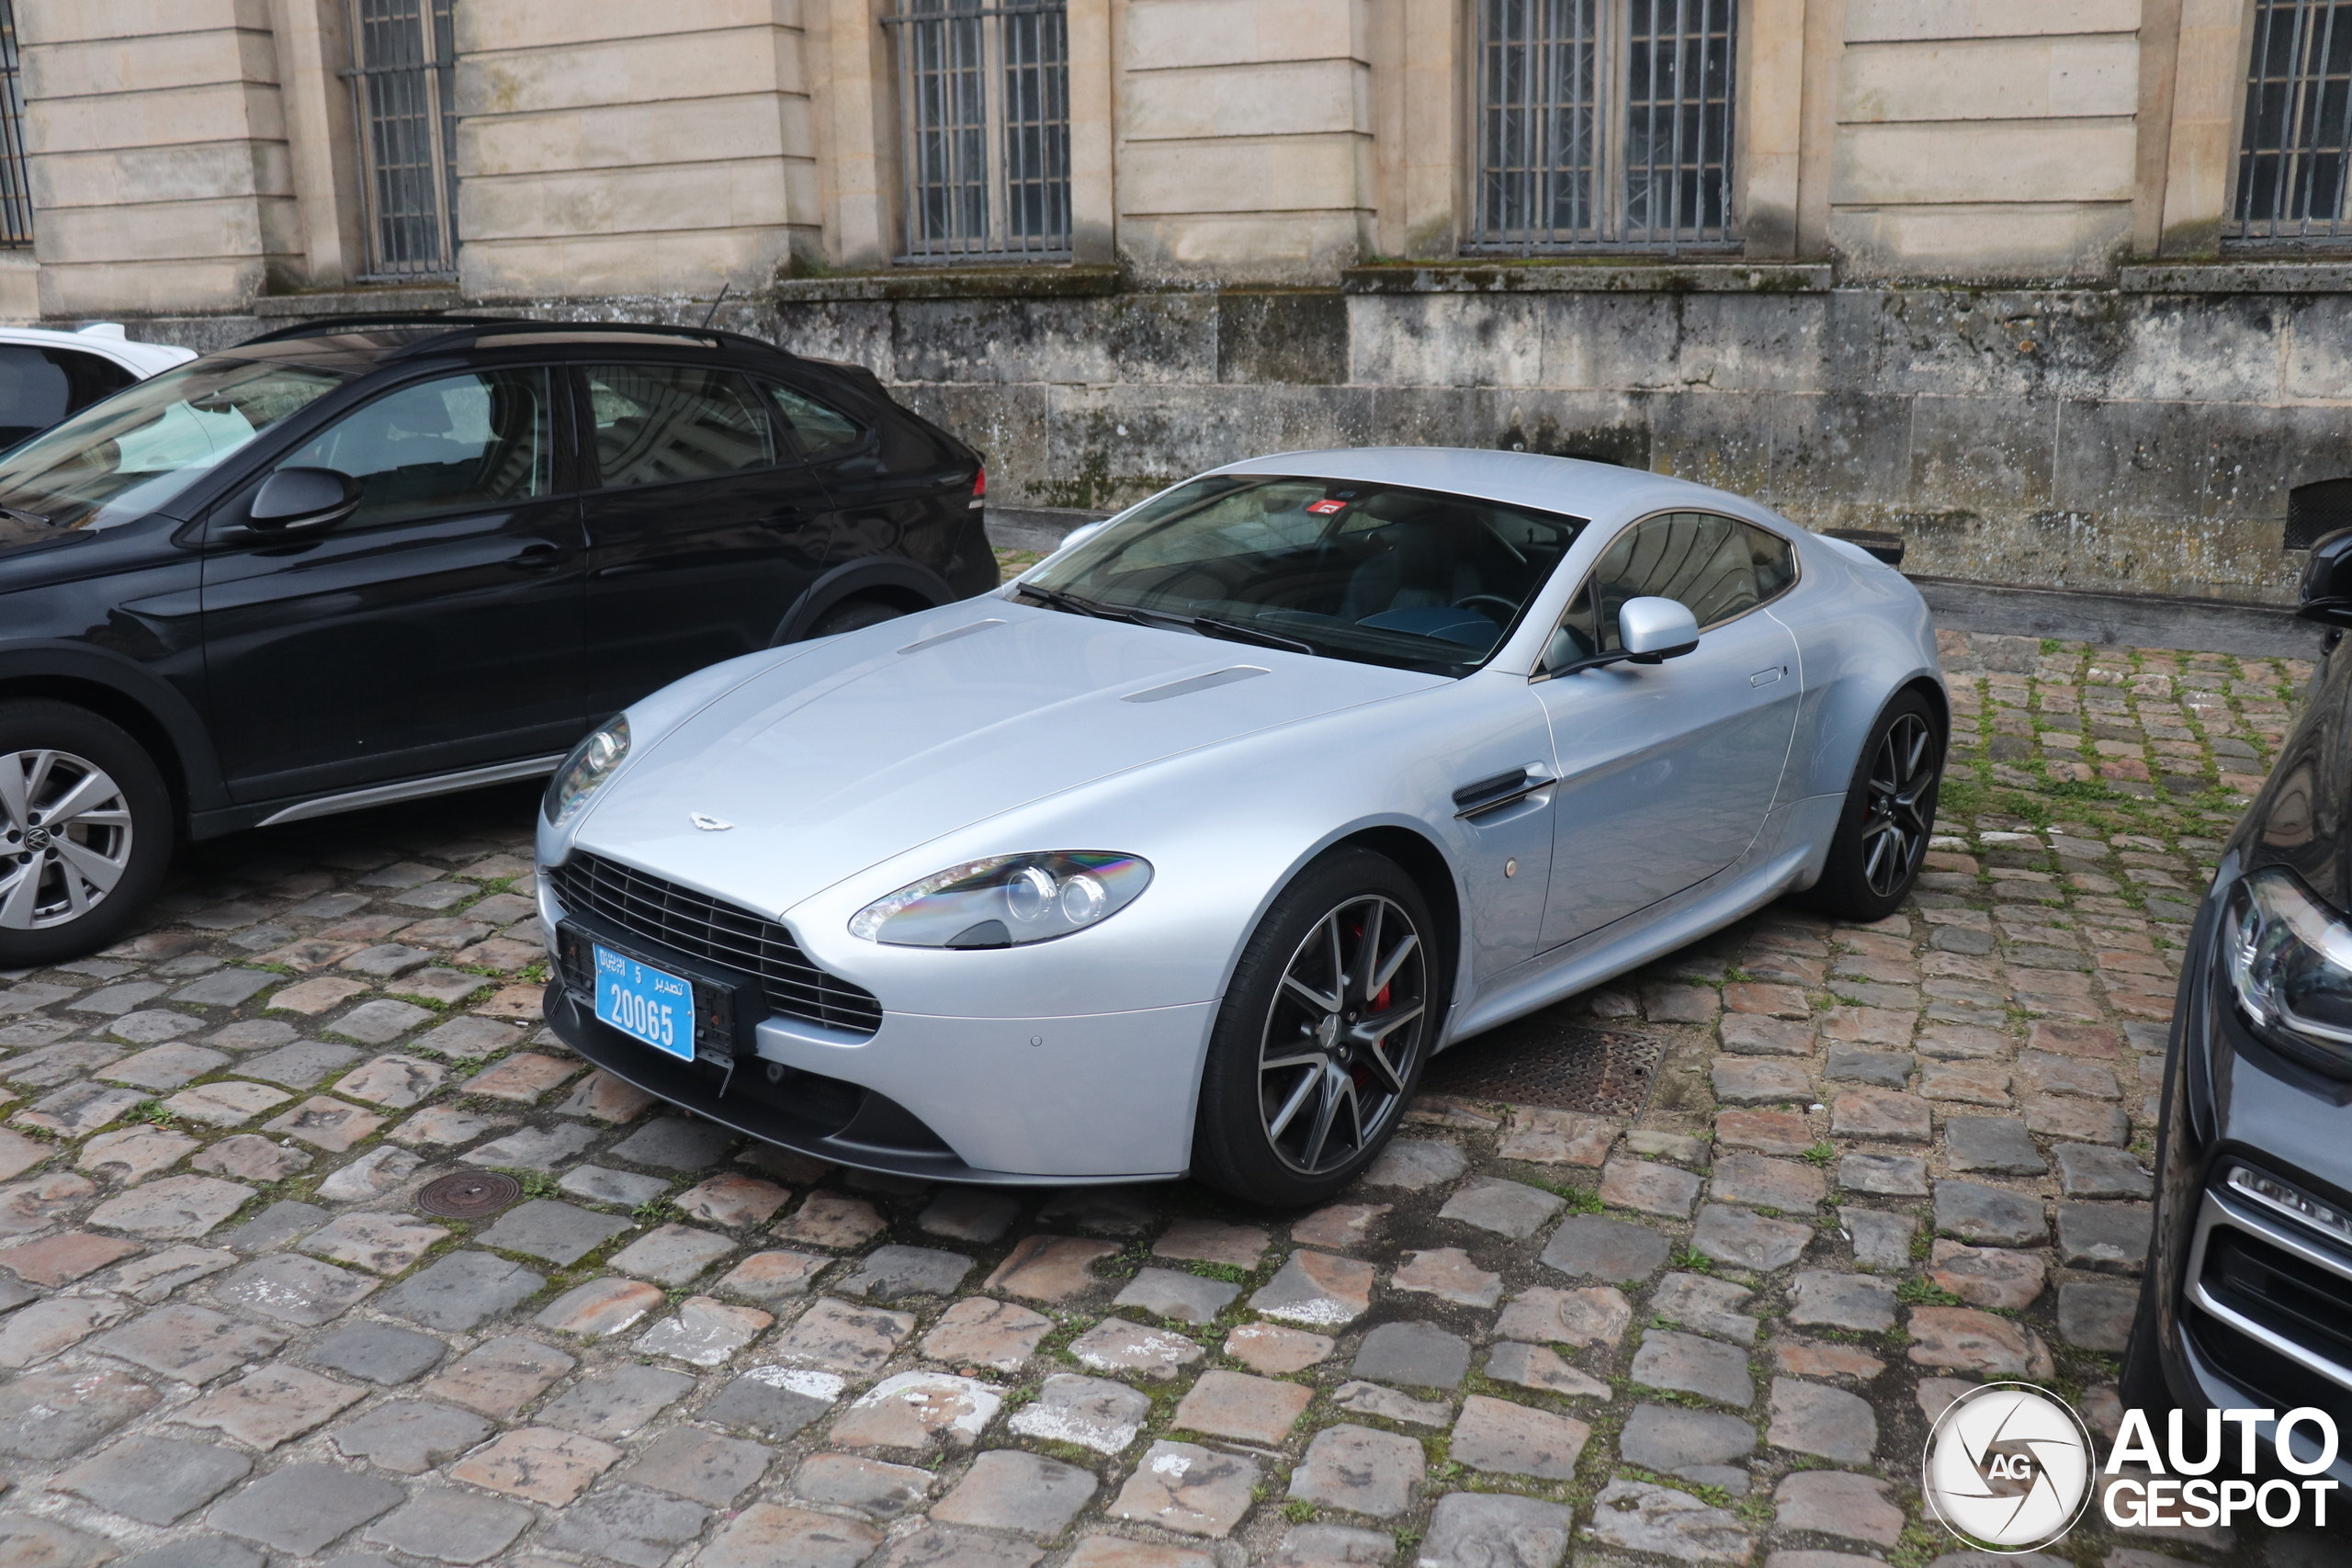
(1322, 1035)
(1888, 814)
(86, 832)
(856, 615)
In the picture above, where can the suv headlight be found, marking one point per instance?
(591, 763)
(1006, 900)
(2289, 961)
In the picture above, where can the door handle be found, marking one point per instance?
(1766, 677)
(1478, 798)
(791, 517)
(539, 557)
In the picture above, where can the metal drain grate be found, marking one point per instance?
(467, 1194)
(1538, 1061)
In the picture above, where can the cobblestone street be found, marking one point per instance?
(1878, 1163)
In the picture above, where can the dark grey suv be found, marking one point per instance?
(357, 562)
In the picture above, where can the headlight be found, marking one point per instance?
(1006, 900)
(2289, 958)
(591, 763)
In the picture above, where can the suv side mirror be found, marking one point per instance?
(1651, 629)
(2327, 581)
(302, 497)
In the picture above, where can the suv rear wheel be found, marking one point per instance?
(86, 832)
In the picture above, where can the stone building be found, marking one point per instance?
(2055, 288)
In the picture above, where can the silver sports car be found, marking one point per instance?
(1184, 851)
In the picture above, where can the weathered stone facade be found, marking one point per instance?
(1978, 291)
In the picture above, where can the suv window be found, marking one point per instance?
(1717, 566)
(476, 439)
(660, 423)
(40, 386)
(820, 432)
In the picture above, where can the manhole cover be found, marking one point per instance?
(467, 1194)
(1538, 1061)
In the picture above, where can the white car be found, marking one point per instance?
(1185, 851)
(46, 373)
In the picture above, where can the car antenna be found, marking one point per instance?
(715, 304)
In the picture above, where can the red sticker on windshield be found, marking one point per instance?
(1325, 508)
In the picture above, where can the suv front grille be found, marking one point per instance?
(697, 924)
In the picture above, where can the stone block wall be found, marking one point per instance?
(2077, 437)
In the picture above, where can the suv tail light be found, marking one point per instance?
(979, 490)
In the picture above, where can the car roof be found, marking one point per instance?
(1598, 492)
(385, 339)
(106, 340)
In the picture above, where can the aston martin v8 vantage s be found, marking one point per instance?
(1186, 849)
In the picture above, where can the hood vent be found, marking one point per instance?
(1191, 683)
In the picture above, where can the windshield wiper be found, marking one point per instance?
(1070, 604)
(20, 515)
(1209, 626)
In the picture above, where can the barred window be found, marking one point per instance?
(2292, 152)
(1604, 124)
(404, 96)
(984, 98)
(15, 187)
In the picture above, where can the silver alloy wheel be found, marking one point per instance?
(1341, 1035)
(66, 835)
(1894, 828)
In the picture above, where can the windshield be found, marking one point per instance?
(1373, 573)
(124, 458)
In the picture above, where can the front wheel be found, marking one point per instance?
(86, 832)
(1322, 1036)
(1888, 814)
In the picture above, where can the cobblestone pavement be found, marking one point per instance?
(1881, 1163)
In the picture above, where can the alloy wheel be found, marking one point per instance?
(1342, 1034)
(65, 833)
(1896, 826)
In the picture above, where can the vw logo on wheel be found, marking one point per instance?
(2009, 1467)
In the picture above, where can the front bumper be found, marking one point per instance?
(2244, 1291)
(1044, 1101)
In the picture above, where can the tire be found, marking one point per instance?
(71, 892)
(856, 615)
(1888, 814)
(1300, 1094)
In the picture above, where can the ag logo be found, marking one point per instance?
(2009, 1467)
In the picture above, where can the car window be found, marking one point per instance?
(1379, 574)
(40, 386)
(660, 423)
(480, 439)
(819, 431)
(1715, 567)
(130, 454)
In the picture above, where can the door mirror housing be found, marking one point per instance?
(1651, 629)
(2327, 581)
(302, 497)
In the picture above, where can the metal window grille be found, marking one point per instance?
(984, 102)
(404, 87)
(15, 185)
(1604, 124)
(2297, 141)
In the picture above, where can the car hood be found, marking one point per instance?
(881, 741)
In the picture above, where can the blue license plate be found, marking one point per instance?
(646, 1003)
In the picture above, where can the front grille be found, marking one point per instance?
(702, 926)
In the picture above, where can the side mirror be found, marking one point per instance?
(302, 497)
(2327, 581)
(1652, 630)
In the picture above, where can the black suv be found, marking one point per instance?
(2246, 1302)
(354, 562)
